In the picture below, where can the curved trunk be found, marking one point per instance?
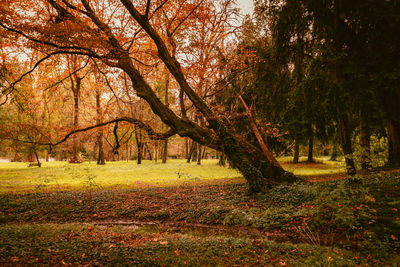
(251, 161)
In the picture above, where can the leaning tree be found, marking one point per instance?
(130, 36)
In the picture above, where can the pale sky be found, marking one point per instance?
(246, 6)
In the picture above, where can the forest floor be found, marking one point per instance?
(203, 222)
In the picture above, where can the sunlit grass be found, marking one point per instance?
(321, 166)
(18, 177)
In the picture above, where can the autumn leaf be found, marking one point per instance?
(176, 252)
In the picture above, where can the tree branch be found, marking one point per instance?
(258, 135)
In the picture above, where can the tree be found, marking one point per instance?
(93, 31)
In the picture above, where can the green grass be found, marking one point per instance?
(321, 166)
(344, 222)
(77, 244)
(59, 176)
(18, 177)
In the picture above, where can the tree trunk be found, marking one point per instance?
(155, 151)
(195, 151)
(393, 135)
(221, 161)
(347, 147)
(100, 157)
(187, 148)
(47, 155)
(296, 151)
(191, 151)
(259, 172)
(365, 143)
(165, 142)
(199, 154)
(146, 146)
(76, 88)
(310, 157)
(37, 159)
(165, 151)
(138, 138)
(335, 153)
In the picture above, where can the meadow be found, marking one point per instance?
(188, 215)
(59, 176)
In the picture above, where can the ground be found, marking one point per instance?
(183, 214)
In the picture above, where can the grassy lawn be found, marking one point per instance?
(60, 176)
(17, 176)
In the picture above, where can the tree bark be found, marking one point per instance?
(76, 90)
(146, 145)
(310, 157)
(199, 154)
(296, 152)
(155, 151)
(100, 156)
(334, 153)
(346, 146)
(393, 135)
(221, 161)
(139, 144)
(365, 144)
(195, 151)
(37, 159)
(191, 150)
(165, 142)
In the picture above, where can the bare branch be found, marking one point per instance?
(187, 16)
(152, 134)
(88, 51)
(263, 144)
(70, 75)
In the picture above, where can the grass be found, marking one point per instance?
(60, 176)
(77, 244)
(17, 176)
(321, 166)
(200, 217)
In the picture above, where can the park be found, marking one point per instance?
(199, 133)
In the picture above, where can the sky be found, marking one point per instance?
(246, 6)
